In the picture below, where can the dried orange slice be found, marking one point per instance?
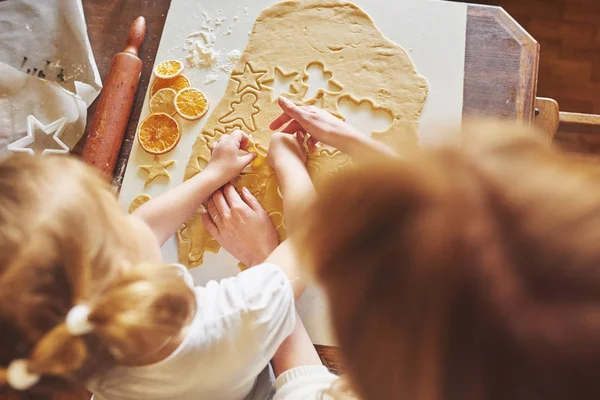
(138, 202)
(191, 103)
(168, 69)
(163, 101)
(178, 83)
(159, 133)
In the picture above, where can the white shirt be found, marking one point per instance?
(304, 383)
(239, 324)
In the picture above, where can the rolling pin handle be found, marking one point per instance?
(137, 32)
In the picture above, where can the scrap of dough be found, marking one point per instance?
(248, 78)
(138, 202)
(193, 250)
(290, 36)
(158, 168)
(261, 157)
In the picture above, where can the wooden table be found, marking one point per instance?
(501, 65)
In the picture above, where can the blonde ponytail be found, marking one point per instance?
(58, 353)
(64, 243)
(141, 310)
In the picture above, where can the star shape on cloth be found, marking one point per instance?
(249, 78)
(158, 168)
(52, 131)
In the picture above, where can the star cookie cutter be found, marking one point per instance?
(54, 129)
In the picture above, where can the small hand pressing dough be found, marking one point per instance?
(289, 39)
(158, 168)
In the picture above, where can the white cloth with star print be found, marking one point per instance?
(48, 75)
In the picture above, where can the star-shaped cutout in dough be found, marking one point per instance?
(249, 78)
(52, 131)
(280, 79)
(158, 168)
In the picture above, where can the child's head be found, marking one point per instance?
(64, 242)
(465, 272)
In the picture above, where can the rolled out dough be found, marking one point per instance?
(288, 40)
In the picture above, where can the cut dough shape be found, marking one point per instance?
(327, 83)
(158, 168)
(280, 83)
(194, 240)
(138, 201)
(200, 157)
(288, 38)
(364, 116)
(243, 111)
(248, 78)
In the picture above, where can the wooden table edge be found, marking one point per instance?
(529, 60)
(570, 118)
(531, 48)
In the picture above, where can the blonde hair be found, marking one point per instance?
(464, 272)
(64, 242)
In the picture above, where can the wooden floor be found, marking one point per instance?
(569, 35)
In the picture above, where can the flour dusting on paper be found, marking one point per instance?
(219, 21)
(202, 50)
(210, 78)
(227, 63)
(200, 46)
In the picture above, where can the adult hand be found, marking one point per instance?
(240, 225)
(320, 124)
(225, 160)
(324, 127)
(286, 149)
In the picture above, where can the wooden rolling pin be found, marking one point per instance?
(114, 107)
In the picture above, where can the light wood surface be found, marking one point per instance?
(579, 133)
(582, 120)
(501, 66)
(569, 35)
(547, 116)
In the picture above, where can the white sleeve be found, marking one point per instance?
(266, 296)
(304, 383)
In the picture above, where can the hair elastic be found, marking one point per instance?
(18, 377)
(77, 322)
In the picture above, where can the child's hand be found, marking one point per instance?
(240, 225)
(286, 149)
(225, 161)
